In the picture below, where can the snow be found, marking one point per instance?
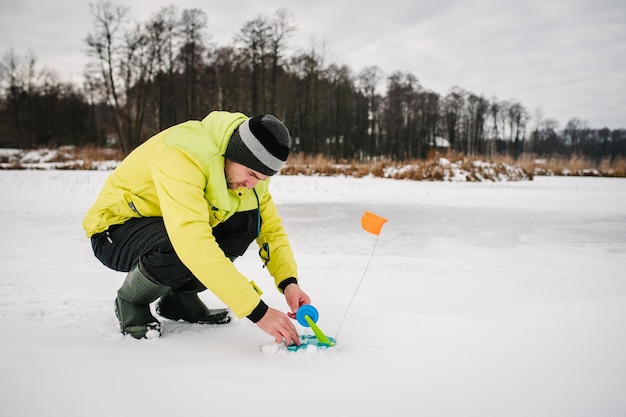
(481, 299)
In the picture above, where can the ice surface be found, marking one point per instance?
(482, 299)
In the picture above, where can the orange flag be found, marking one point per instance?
(372, 223)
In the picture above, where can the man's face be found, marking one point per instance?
(238, 175)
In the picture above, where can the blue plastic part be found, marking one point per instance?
(310, 340)
(307, 310)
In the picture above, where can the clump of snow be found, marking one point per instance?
(104, 165)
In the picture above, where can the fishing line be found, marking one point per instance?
(357, 289)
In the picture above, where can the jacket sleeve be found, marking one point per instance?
(281, 264)
(180, 185)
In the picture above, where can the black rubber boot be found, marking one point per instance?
(184, 304)
(132, 305)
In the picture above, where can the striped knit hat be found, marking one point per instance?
(261, 143)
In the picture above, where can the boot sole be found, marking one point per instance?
(218, 318)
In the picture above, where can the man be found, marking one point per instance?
(178, 211)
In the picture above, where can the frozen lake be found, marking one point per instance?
(488, 299)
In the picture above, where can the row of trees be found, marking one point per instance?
(142, 78)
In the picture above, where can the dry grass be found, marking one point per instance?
(436, 167)
(92, 153)
(432, 169)
(86, 157)
(572, 166)
(321, 165)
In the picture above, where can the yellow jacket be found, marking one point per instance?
(178, 174)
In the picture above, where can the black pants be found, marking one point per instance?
(122, 246)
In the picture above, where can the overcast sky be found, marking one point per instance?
(565, 57)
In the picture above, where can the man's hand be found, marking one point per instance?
(279, 326)
(295, 298)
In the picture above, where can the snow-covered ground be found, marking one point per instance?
(481, 299)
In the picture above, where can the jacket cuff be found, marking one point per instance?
(284, 283)
(258, 312)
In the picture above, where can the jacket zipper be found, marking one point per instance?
(133, 208)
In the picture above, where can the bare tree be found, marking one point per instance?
(547, 139)
(104, 45)
(369, 78)
(518, 116)
(427, 119)
(255, 40)
(18, 79)
(574, 134)
(400, 116)
(12, 82)
(226, 64)
(500, 118)
(194, 23)
(453, 105)
(138, 72)
(492, 130)
(123, 66)
(477, 112)
(339, 126)
(282, 27)
(161, 30)
(308, 69)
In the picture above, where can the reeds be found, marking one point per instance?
(437, 167)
